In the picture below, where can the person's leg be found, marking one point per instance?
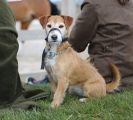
(12, 93)
(10, 85)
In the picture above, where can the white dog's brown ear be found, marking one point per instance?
(43, 20)
(68, 20)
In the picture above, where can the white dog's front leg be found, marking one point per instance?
(59, 93)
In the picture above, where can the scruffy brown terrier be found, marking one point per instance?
(66, 70)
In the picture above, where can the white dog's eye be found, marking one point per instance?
(49, 26)
(61, 26)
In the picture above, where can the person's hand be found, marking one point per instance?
(123, 2)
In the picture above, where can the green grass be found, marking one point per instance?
(111, 107)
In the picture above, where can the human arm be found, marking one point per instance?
(84, 28)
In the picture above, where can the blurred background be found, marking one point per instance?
(31, 36)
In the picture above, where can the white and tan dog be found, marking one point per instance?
(66, 70)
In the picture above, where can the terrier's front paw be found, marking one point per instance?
(55, 104)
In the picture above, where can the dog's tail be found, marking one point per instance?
(116, 81)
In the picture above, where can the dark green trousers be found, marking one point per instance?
(10, 85)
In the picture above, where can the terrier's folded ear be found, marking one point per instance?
(43, 20)
(67, 20)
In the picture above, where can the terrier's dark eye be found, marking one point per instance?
(61, 26)
(49, 26)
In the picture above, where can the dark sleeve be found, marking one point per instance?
(7, 20)
(84, 28)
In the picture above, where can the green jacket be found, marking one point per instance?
(7, 20)
(10, 85)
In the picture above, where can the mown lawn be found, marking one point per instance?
(112, 107)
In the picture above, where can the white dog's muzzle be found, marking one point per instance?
(54, 35)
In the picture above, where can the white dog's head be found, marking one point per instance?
(56, 27)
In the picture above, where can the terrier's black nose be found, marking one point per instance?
(54, 37)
